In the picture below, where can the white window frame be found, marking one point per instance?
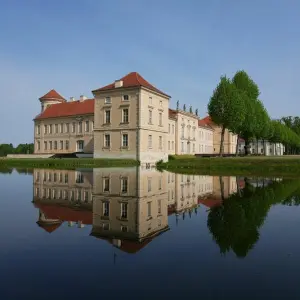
(150, 116)
(149, 141)
(124, 210)
(87, 126)
(123, 181)
(123, 115)
(124, 96)
(107, 100)
(123, 135)
(105, 144)
(105, 116)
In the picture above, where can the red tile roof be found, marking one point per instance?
(63, 213)
(53, 95)
(49, 227)
(132, 79)
(67, 109)
(210, 203)
(172, 113)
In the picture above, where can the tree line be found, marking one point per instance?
(235, 106)
(20, 149)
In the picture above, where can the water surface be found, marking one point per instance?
(114, 233)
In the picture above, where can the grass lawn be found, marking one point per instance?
(252, 165)
(65, 163)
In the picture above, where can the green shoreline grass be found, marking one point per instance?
(253, 165)
(66, 163)
(260, 166)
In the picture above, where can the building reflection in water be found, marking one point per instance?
(127, 207)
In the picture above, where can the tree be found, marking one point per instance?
(249, 92)
(226, 108)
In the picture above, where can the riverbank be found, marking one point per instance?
(66, 163)
(252, 165)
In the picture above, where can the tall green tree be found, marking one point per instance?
(249, 93)
(226, 108)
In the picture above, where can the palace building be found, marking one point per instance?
(129, 118)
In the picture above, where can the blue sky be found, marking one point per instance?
(182, 47)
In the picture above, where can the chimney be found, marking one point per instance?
(72, 99)
(82, 98)
(118, 83)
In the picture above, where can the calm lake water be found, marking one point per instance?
(143, 234)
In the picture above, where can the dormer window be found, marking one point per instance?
(125, 98)
(107, 100)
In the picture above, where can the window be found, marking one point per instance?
(86, 196)
(149, 141)
(45, 145)
(87, 126)
(79, 177)
(50, 145)
(38, 129)
(55, 145)
(124, 209)
(173, 129)
(67, 128)
(125, 140)
(169, 143)
(150, 100)
(107, 100)
(67, 145)
(182, 147)
(125, 98)
(50, 129)
(66, 178)
(38, 146)
(160, 142)
(56, 128)
(93, 126)
(106, 182)
(160, 103)
(150, 116)
(80, 127)
(72, 196)
(105, 226)
(149, 209)
(54, 177)
(106, 209)
(124, 185)
(173, 145)
(124, 228)
(107, 117)
(107, 140)
(169, 128)
(160, 119)
(73, 127)
(159, 206)
(125, 115)
(182, 131)
(66, 195)
(37, 178)
(61, 128)
(60, 177)
(149, 184)
(45, 129)
(61, 145)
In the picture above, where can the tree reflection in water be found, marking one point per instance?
(235, 224)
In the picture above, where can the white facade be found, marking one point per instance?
(186, 137)
(262, 148)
